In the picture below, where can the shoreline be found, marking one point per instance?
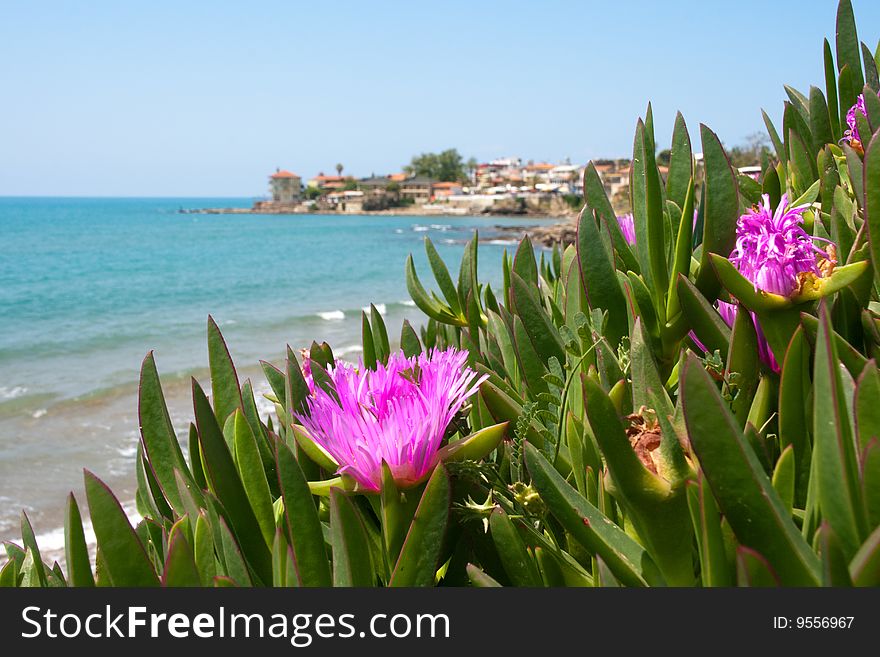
(411, 211)
(562, 233)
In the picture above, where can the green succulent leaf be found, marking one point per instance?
(224, 380)
(744, 493)
(225, 482)
(629, 561)
(79, 569)
(123, 553)
(352, 556)
(306, 537)
(518, 563)
(422, 547)
(834, 446)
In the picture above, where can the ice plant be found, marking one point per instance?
(627, 227)
(777, 255)
(851, 134)
(397, 413)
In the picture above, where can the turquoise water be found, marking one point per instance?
(88, 286)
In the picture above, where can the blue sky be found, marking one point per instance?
(207, 98)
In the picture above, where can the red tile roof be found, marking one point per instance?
(284, 174)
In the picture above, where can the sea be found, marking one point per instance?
(89, 286)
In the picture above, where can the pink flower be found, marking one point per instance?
(773, 251)
(397, 413)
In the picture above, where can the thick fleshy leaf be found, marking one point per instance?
(871, 183)
(352, 557)
(742, 360)
(538, 325)
(225, 390)
(531, 363)
(681, 163)
(753, 570)
(441, 275)
(658, 512)
(599, 279)
(474, 447)
(275, 377)
(524, 263)
(744, 493)
(180, 565)
(867, 416)
(835, 565)
(236, 566)
(784, 477)
(253, 477)
(224, 480)
(597, 201)
(683, 251)
(518, 563)
(628, 560)
(30, 543)
(422, 548)
(370, 360)
(306, 537)
(203, 549)
(479, 578)
(380, 335)
(426, 303)
(834, 447)
(831, 90)
(157, 433)
(865, 565)
(123, 553)
(714, 570)
(409, 341)
(720, 210)
(79, 569)
(820, 124)
(708, 325)
(848, 45)
(312, 449)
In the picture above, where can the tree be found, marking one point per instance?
(664, 157)
(339, 169)
(751, 153)
(350, 185)
(447, 166)
(471, 168)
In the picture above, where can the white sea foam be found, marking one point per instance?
(348, 349)
(11, 392)
(40, 412)
(399, 231)
(408, 302)
(500, 242)
(381, 307)
(421, 229)
(332, 315)
(443, 227)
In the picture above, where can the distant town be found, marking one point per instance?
(502, 186)
(442, 183)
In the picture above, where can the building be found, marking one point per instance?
(419, 188)
(614, 175)
(329, 183)
(349, 201)
(442, 190)
(286, 187)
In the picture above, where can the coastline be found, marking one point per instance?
(407, 211)
(562, 233)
